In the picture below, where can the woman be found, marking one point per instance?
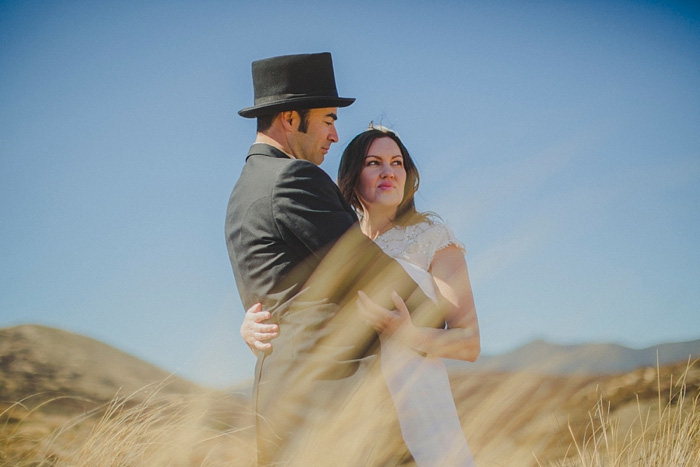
(379, 179)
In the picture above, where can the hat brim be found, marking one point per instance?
(297, 103)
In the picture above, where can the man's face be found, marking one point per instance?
(313, 145)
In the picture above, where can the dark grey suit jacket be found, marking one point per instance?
(295, 246)
(282, 216)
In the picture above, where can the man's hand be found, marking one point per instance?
(255, 332)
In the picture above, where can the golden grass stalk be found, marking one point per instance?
(666, 435)
(505, 419)
(155, 430)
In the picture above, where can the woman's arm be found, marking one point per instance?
(255, 332)
(461, 338)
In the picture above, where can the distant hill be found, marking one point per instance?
(43, 360)
(66, 399)
(593, 359)
(508, 415)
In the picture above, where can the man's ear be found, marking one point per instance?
(287, 117)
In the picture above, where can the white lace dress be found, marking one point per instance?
(419, 384)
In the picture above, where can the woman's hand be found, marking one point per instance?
(255, 332)
(390, 322)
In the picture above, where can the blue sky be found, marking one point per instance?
(560, 140)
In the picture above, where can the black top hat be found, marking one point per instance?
(294, 82)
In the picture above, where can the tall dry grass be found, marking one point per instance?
(147, 428)
(507, 419)
(666, 433)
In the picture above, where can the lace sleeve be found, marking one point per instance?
(442, 237)
(418, 243)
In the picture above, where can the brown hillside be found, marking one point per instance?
(42, 360)
(66, 399)
(531, 419)
(509, 418)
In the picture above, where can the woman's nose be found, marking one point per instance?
(387, 172)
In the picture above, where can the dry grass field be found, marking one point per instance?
(647, 417)
(205, 428)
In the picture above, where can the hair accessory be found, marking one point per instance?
(381, 128)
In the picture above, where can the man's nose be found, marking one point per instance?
(333, 136)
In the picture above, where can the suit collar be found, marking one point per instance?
(264, 149)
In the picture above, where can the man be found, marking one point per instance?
(295, 247)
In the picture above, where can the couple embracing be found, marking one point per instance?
(353, 295)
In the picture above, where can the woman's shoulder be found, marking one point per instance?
(434, 231)
(425, 238)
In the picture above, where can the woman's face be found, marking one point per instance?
(383, 176)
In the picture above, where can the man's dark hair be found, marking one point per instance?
(265, 121)
(304, 123)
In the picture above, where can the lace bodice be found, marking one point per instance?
(417, 243)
